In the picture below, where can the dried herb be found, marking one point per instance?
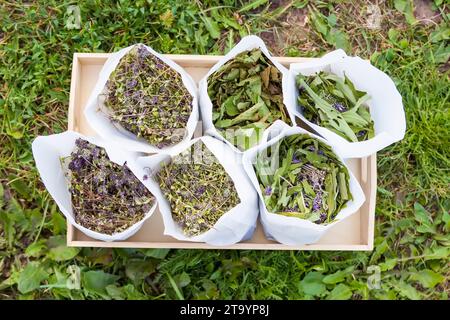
(198, 189)
(247, 97)
(334, 103)
(310, 183)
(148, 98)
(106, 197)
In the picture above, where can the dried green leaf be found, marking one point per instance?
(246, 93)
(311, 182)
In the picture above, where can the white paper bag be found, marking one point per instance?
(206, 107)
(293, 230)
(239, 223)
(47, 152)
(386, 107)
(100, 122)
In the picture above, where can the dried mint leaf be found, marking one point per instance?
(106, 197)
(148, 98)
(300, 176)
(247, 97)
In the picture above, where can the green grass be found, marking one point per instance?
(412, 221)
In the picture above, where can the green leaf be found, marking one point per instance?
(115, 292)
(338, 276)
(157, 253)
(332, 19)
(175, 287)
(393, 35)
(132, 293)
(424, 219)
(252, 5)
(183, 280)
(59, 224)
(59, 250)
(63, 253)
(35, 249)
(341, 40)
(211, 26)
(18, 184)
(320, 23)
(340, 292)
(408, 291)
(230, 107)
(407, 8)
(388, 264)
(312, 284)
(436, 253)
(441, 54)
(427, 278)
(138, 270)
(15, 133)
(379, 250)
(97, 281)
(31, 277)
(441, 34)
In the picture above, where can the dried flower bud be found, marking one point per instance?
(198, 193)
(106, 197)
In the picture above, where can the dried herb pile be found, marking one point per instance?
(309, 183)
(199, 191)
(247, 97)
(106, 197)
(334, 103)
(148, 98)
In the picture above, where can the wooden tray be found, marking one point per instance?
(355, 233)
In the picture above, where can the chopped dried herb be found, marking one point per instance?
(247, 97)
(310, 182)
(148, 98)
(199, 190)
(334, 103)
(106, 197)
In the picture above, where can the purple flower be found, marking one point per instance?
(301, 89)
(268, 191)
(311, 148)
(131, 84)
(361, 133)
(95, 152)
(145, 177)
(143, 52)
(80, 143)
(132, 211)
(159, 65)
(320, 152)
(200, 191)
(322, 218)
(77, 164)
(295, 159)
(339, 107)
(154, 100)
